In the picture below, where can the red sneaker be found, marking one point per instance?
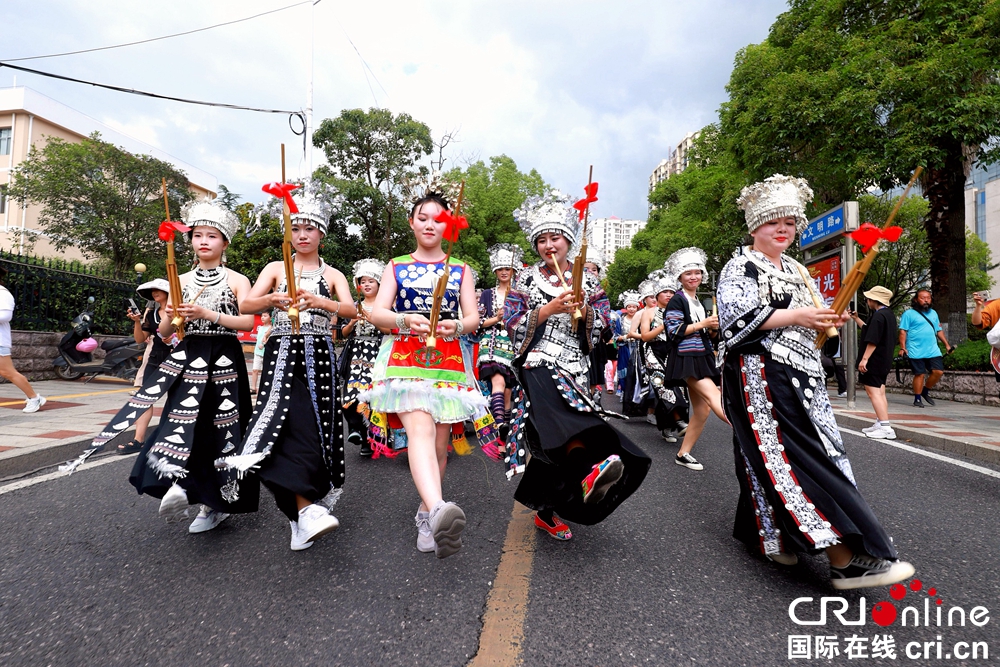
(604, 475)
(560, 530)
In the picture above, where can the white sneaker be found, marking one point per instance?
(882, 433)
(864, 572)
(874, 427)
(206, 520)
(425, 538)
(314, 522)
(651, 419)
(296, 543)
(174, 506)
(34, 404)
(447, 521)
(842, 394)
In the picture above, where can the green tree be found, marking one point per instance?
(904, 266)
(854, 95)
(492, 193)
(371, 156)
(979, 262)
(99, 198)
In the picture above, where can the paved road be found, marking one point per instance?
(91, 576)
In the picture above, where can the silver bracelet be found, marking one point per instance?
(400, 321)
(459, 327)
(217, 316)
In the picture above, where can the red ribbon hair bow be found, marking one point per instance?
(454, 223)
(584, 203)
(283, 191)
(867, 234)
(168, 227)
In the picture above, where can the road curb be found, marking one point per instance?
(972, 450)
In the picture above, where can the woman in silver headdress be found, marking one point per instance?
(357, 361)
(496, 351)
(670, 408)
(797, 488)
(295, 442)
(636, 400)
(205, 381)
(691, 362)
(631, 304)
(580, 466)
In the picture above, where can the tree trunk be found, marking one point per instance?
(944, 187)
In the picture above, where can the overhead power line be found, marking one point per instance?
(133, 91)
(156, 39)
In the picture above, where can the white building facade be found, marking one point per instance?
(610, 234)
(982, 212)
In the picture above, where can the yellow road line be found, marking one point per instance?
(502, 638)
(58, 398)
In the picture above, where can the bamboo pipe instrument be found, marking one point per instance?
(562, 281)
(852, 283)
(286, 256)
(581, 259)
(173, 279)
(442, 284)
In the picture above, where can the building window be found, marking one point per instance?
(5, 140)
(3, 199)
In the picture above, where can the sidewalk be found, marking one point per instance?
(965, 429)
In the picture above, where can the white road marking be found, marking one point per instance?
(25, 483)
(924, 452)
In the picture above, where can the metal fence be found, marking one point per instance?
(48, 293)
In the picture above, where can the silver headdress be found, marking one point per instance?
(631, 297)
(506, 256)
(368, 267)
(686, 259)
(210, 214)
(418, 186)
(664, 281)
(776, 197)
(317, 203)
(647, 288)
(551, 212)
(596, 256)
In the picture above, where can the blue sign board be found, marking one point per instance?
(825, 227)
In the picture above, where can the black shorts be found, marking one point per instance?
(925, 366)
(873, 379)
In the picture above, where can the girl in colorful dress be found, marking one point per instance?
(692, 355)
(294, 443)
(496, 352)
(631, 303)
(598, 357)
(263, 332)
(427, 389)
(797, 488)
(580, 467)
(636, 400)
(358, 359)
(205, 381)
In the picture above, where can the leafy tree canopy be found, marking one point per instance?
(101, 199)
(492, 192)
(371, 155)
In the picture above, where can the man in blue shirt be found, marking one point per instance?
(919, 329)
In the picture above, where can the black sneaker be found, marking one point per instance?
(366, 448)
(865, 571)
(689, 462)
(927, 397)
(355, 438)
(917, 403)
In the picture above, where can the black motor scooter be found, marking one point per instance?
(121, 359)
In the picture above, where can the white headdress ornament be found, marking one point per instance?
(779, 196)
(630, 297)
(596, 256)
(686, 259)
(368, 267)
(210, 214)
(551, 212)
(506, 256)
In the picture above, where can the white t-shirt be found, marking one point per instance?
(6, 314)
(697, 310)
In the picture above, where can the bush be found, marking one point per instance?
(972, 355)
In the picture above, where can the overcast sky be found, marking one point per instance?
(557, 86)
